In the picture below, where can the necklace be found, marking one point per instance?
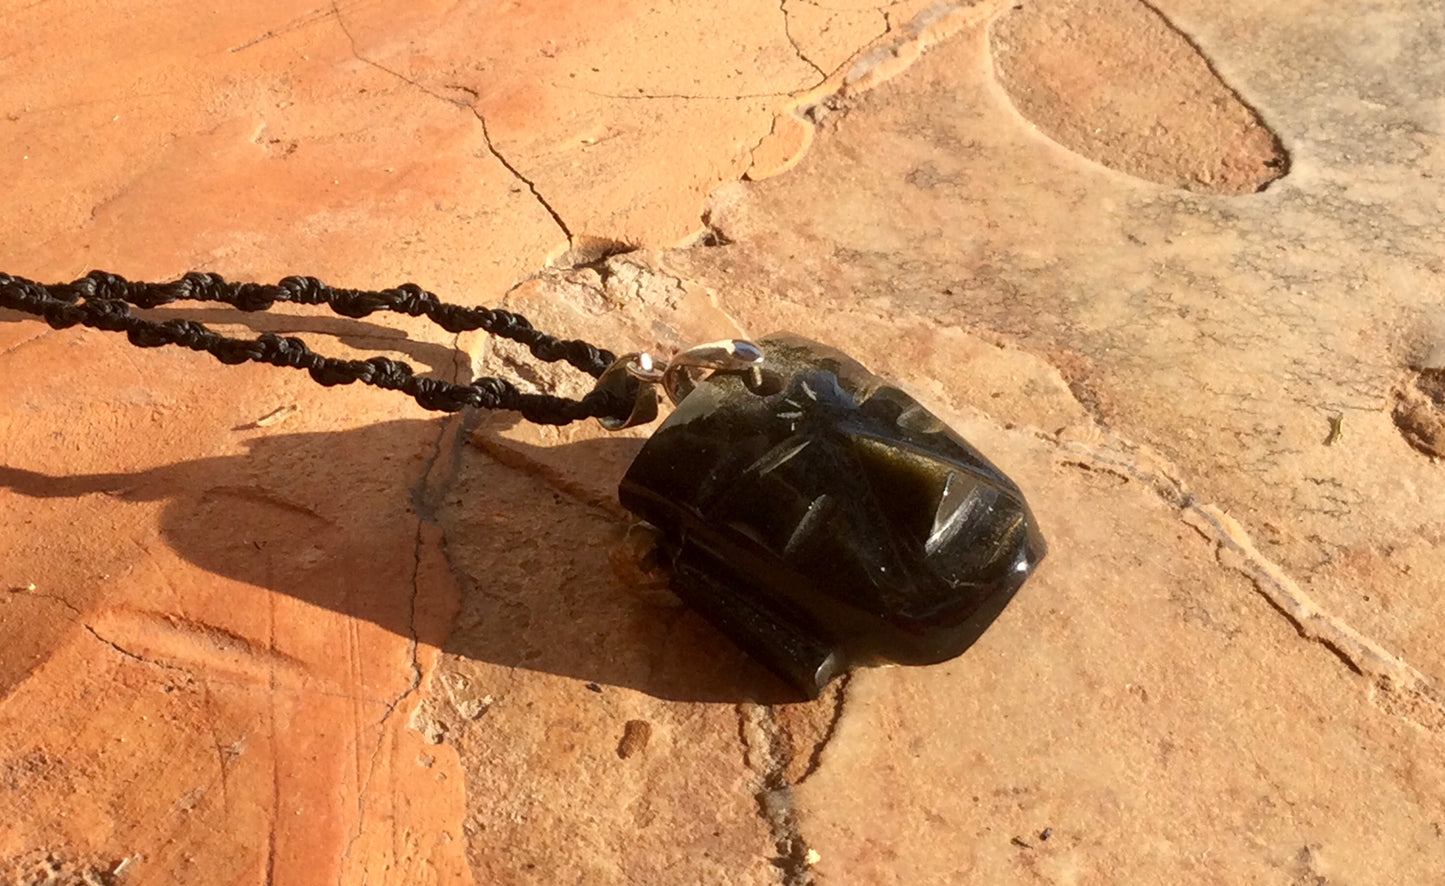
(814, 512)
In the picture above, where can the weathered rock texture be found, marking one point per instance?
(1114, 81)
(252, 629)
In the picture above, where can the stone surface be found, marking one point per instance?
(1105, 78)
(254, 629)
(1255, 344)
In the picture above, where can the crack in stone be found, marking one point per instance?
(224, 754)
(486, 132)
(840, 701)
(424, 498)
(295, 24)
(391, 706)
(1408, 692)
(752, 161)
(798, 50)
(767, 753)
(421, 500)
(433, 480)
(80, 618)
(132, 655)
(680, 96)
(275, 768)
(531, 186)
(30, 591)
(1363, 654)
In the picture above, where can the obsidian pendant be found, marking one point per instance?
(822, 518)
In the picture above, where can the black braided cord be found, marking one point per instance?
(102, 301)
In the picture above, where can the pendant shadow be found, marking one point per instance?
(548, 582)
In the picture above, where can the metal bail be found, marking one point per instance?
(622, 380)
(637, 376)
(695, 364)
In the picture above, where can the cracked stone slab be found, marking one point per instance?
(230, 646)
(254, 134)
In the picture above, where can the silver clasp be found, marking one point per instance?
(677, 377)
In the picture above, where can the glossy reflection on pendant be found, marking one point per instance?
(822, 518)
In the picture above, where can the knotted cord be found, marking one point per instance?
(103, 301)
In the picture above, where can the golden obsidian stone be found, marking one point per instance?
(823, 518)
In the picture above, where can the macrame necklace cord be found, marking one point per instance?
(103, 301)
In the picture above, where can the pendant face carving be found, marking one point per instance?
(822, 518)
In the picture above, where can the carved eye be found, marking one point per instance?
(962, 527)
